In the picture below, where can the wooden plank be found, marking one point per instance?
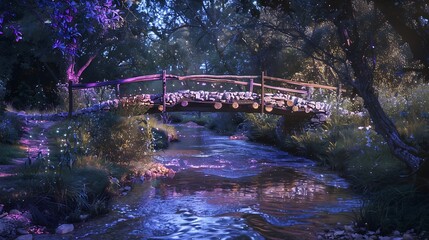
(301, 83)
(154, 77)
(281, 88)
(196, 77)
(215, 80)
(251, 82)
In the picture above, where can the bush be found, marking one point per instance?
(107, 136)
(224, 123)
(260, 127)
(53, 197)
(10, 129)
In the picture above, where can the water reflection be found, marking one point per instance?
(228, 189)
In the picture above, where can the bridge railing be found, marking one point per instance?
(247, 81)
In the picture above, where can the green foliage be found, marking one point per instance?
(9, 152)
(260, 127)
(400, 207)
(224, 123)
(110, 137)
(83, 98)
(53, 196)
(10, 129)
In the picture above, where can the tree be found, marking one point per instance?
(351, 54)
(410, 19)
(81, 29)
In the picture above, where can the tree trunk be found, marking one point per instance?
(385, 127)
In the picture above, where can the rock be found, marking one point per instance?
(171, 173)
(115, 181)
(357, 236)
(348, 228)
(83, 217)
(14, 211)
(3, 215)
(338, 233)
(25, 237)
(64, 228)
(127, 188)
(407, 236)
(396, 233)
(21, 231)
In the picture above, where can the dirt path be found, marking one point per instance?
(35, 143)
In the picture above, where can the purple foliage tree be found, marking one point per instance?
(78, 27)
(5, 18)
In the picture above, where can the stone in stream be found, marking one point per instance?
(64, 228)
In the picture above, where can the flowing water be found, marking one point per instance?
(227, 189)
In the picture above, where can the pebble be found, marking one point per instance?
(407, 236)
(350, 232)
(64, 228)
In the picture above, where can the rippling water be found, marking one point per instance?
(227, 189)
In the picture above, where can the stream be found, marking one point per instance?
(227, 189)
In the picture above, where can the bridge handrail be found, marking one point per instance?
(314, 85)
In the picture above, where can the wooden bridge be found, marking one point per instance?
(289, 98)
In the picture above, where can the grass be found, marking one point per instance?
(400, 207)
(53, 197)
(9, 152)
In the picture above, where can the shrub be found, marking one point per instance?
(260, 127)
(10, 129)
(224, 123)
(53, 197)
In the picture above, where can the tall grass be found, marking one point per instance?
(11, 131)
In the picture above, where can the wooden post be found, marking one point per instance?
(70, 89)
(338, 97)
(164, 90)
(118, 91)
(309, 94)
(251, 86)
(262, 91)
